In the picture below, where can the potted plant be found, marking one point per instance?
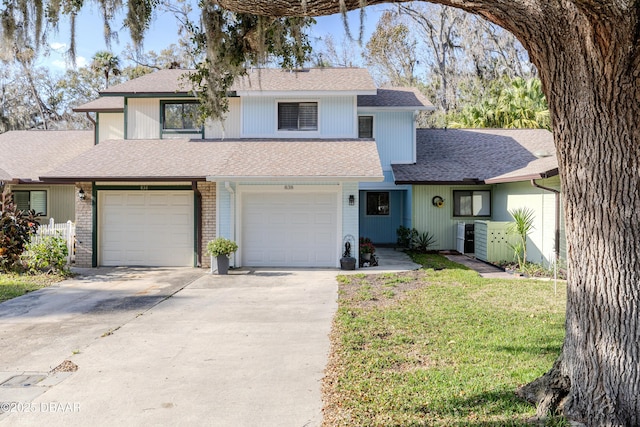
(221, 248)
(366, 248)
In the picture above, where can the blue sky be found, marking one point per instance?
(163, 32)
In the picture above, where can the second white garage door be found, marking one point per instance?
(289, 229)
(146, 228)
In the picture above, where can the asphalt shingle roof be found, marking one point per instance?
(260, 80)
(308, 80)
(106, 104)
(490, 155)
(186, 159)
(397, 97)
(28, 154)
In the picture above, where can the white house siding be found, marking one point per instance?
(440, 222)
(541, 241)
(60, 201)
(335, 117)
(143, 118)
(232, 123)
(350, 217)
(111, 126)
(394, 136)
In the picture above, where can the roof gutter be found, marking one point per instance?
(557, 214)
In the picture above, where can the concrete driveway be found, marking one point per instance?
(168, 347)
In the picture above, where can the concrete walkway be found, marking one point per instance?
(484, 269)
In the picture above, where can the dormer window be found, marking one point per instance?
(180, 115)
(298, 116)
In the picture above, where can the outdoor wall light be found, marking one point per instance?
(81, 194)
(352, 200)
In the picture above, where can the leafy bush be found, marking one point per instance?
(521, 226)
(406, 236)
(366, 246)
(48, 255)
(16, 226)
(221, 246)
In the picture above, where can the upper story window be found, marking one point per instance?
(472, 203)
(298, 116)
(31, 200)
(180, 115)
(365, 126)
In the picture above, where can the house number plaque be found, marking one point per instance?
(288, 187)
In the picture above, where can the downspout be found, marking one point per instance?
(557, 228)
(196, 192)
(232, 219)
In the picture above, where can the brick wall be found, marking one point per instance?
(208, 192)
(84, 235)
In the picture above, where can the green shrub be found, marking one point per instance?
(221, 246)
(48, 255)
(16, 227)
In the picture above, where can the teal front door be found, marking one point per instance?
(381, 213)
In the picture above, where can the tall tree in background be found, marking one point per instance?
(106, 64)
(391, 52)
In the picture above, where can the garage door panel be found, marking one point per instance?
(151, 228)
(289, 229)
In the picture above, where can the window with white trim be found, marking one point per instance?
(365, 126)
(31, 200)
(180, 115)
(472, 203)
(294, 116)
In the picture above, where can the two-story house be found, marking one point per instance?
(301, 164)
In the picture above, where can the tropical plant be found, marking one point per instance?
(521, 227)
(106, 64)
(423, 241)
(16, 227)
(48, 254)
(221, 246)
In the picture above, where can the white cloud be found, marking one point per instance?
(81, 61)
(58, 63)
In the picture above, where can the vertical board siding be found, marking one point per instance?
(111, 126)
(393, 132)
(143, 118)
(350, 218)
(540, 242)
(439, 221)
(258, 117)
(335, 117)
(61, 201)
(382, 229)
(232, 122)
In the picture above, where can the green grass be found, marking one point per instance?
(15, 285)
(439, 347)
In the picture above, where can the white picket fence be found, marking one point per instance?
(66, 230)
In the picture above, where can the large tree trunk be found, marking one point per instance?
(587, 54)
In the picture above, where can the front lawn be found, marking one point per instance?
(15, 285)
(439, 347)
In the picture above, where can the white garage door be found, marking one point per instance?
(149, 228)
(289, 230)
